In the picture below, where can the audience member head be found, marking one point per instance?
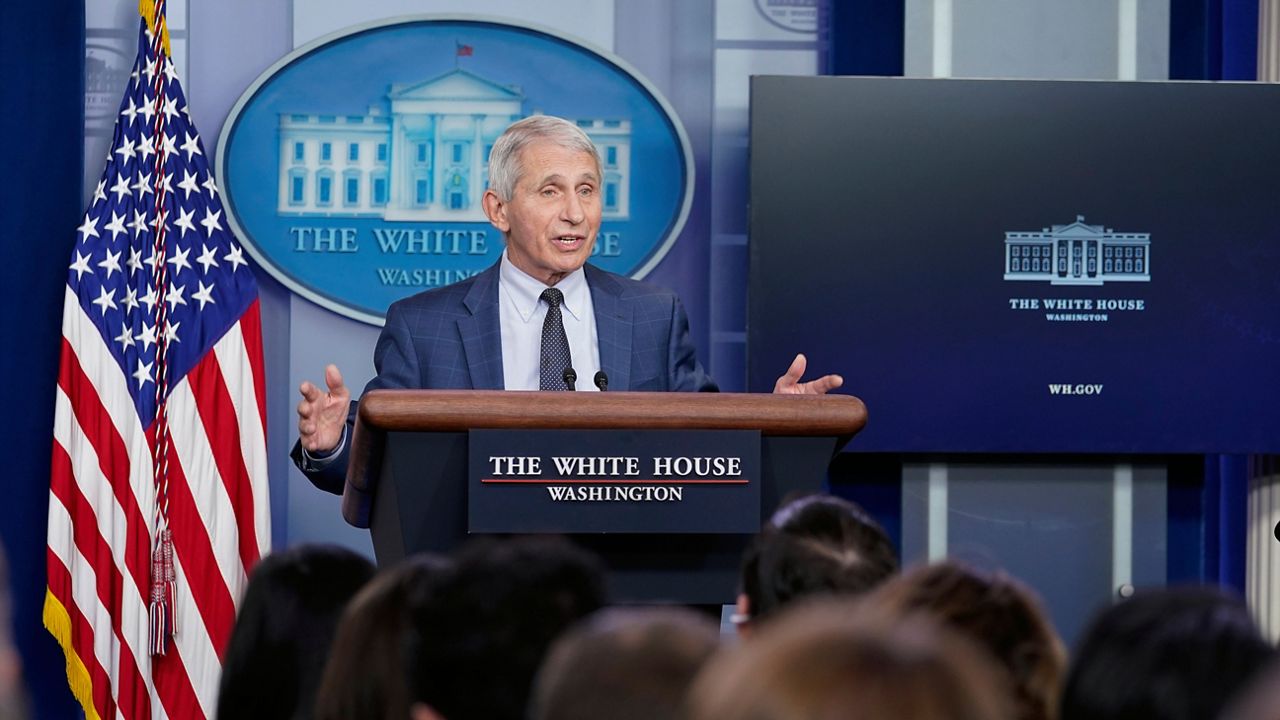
(996, 612)
(481, 637)
(1260, 700)
(366, 675)
(1164, 654)
(624, 664)
(817, 544)
(830, 658)
(13, 699)
(284, 628)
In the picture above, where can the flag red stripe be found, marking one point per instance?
(192, 544)
(173, 685)
(131, 688)
(113, 459)
(81, 635)
(251, 331)
(222, 427)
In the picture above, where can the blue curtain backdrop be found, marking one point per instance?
(1213, 40)
(42, 60)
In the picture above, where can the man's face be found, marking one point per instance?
(553, 216)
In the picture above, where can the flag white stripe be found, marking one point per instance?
(233, 357)
(191, 446)
(113, 526)
(199, 657)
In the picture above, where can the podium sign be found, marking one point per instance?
(615, 481)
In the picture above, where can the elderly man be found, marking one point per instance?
(540, 312)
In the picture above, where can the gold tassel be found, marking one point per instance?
(58, 622)
(147, 9)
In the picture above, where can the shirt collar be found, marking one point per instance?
(525, 290)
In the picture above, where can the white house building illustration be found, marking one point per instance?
(1077, 254)
(427, 158)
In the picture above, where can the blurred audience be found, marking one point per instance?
(13, 701)
(480, 638)
(830, 659)
(365, 678)
(817, 544)
(624, 664)
(283, 631)
(997, 613)
(1164, 654)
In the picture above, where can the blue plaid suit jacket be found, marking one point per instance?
(449, 338)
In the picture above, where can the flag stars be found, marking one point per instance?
(81, 265)
(170, 108)
(89, 228)
(139, 225)
(151, 262)
(143, 185)
(116, 226)
(171, 333)
(146, 111)
(106, 300)
(206, 259)
(143, 373)
(184, 220)
(170, 72)
(147, 337)
(191, 146)
(211, 221)
(208, 185)
(174, 296)
(150, 300)
(188, 183)
(204, 294)
(235, 257)
(121, 188)
(135, 260)
(98, 192)
(179, 259)
(130, 299)
(112, 262)
(145, 147)
(131, 111)
(126, 150)
(125, 338)
(169, 148)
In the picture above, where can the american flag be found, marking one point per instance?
(158, 504)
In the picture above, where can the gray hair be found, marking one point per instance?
(504, 159)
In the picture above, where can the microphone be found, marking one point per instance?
(570, 379)
(601, 380)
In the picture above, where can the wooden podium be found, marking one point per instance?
(407, 480)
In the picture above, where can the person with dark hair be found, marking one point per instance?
(830, 658)
(479, 639)
(817, 544)
(286, 622)
(1260, 700)
(365, 677)
(1164, 654)
(996, 612)
(624, 664)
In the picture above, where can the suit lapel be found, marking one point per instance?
(613, 327)
(481, 332)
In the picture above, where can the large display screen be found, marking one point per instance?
(1023, 266)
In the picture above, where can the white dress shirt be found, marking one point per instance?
(521, 313)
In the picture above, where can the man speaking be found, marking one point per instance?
(540, 319)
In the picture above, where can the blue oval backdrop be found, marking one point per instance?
(353, 168)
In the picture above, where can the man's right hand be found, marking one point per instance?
(323, 415)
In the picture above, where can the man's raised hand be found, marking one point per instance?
(322, 415)
(789, 383)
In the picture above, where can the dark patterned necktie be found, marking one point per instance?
(555, 345)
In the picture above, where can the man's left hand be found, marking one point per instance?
(789, 383)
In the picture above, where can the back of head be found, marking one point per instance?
(1260, 700)
(365, 676)
(819, 544)
(1165, 654)
(826, 659)
(624, 664)
(480, 639)
(997, 613)
(284, 628)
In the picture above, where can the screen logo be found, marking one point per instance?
(1077, 254)
(354, 168)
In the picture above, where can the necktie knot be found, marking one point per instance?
(552, 297)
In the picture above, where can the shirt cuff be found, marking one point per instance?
(321, 460)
